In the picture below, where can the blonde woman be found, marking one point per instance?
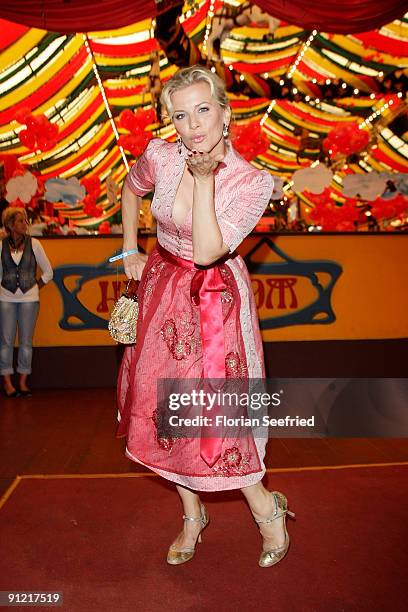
(19, 296)
(197, 313)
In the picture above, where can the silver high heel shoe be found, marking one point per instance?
(276, 554)
(176, 557)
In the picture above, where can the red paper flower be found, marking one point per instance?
(40, 133)
(346, 138)
(388, 209)
(331, 216)
(249, 140)
(11, 166)
(137, 121)
(104, 228)
(135, 143)
(92, 184)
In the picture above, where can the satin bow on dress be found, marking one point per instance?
(205, 292)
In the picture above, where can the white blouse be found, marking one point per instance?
(32, 295)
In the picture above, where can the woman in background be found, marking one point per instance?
(19, 296)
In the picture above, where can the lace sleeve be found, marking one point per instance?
(142, 175)
(246, 208)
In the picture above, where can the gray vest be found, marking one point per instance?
(22, 275)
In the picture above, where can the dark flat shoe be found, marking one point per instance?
(10, 395)
(25, 393)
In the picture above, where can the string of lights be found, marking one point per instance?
(104, 98)
(378, 112)
(291, 72)
(207, 33)
(268, 110)
(301, 53)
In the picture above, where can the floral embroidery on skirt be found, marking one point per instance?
(180, 340)
(232, 463)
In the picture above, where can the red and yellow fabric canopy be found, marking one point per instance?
(82, 82)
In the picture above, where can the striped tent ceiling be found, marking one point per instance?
(83, 82)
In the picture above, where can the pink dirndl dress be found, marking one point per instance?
(171, 340)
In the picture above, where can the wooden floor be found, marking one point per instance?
(73, 432)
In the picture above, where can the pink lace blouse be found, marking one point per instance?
(242, 193)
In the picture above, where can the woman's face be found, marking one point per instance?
(199, 119)
(20, 225)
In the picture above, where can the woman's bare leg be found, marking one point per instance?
(262, 507)
(7, 384)
(191, 507)
(23, 382)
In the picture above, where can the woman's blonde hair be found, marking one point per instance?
(188, 76)
(9, 216)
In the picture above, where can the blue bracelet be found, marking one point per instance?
(123, 255)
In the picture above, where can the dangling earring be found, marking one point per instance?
(179, 141)
(225, 130)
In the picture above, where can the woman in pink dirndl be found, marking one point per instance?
(197, 313)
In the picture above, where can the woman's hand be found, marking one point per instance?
(202, 164)
(134, 264)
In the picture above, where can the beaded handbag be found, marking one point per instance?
(123, 320)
